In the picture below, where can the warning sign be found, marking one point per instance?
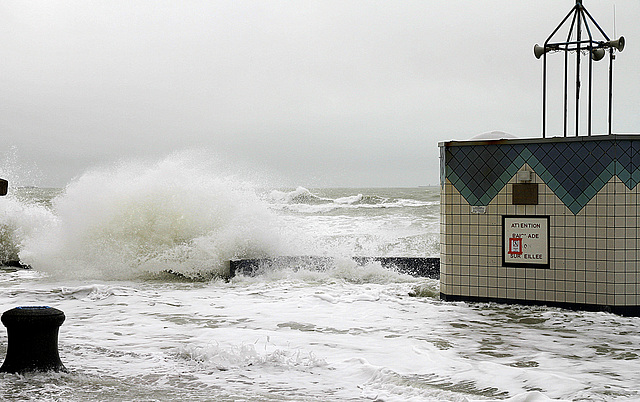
(525, 241)
(515, 245)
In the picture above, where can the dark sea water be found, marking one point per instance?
(100, 247)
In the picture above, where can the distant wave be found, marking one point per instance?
(298, 196)
(362, 200)
(304, 201)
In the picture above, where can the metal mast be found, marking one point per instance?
(581, 21)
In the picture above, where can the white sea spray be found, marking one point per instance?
(178, 214)
(20, 221)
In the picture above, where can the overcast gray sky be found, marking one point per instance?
(317, 93)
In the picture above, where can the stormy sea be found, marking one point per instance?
(137, 257)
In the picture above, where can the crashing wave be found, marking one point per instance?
(180, 214)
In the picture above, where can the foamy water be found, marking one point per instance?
(98, 249)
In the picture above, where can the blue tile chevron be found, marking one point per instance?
(574, 170)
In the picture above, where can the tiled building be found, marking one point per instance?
(549, 221)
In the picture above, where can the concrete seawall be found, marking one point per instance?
(416, 266)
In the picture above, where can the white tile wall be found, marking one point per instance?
(594, 257)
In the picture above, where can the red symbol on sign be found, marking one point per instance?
(515, 246)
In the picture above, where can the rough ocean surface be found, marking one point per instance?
(100, 250)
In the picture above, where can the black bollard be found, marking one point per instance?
(33, 339)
